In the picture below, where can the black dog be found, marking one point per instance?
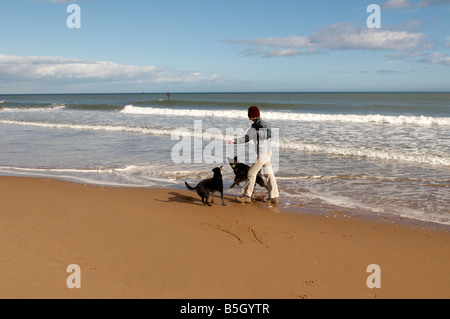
(208, 187)
(241, 172)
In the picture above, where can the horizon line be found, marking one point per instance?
(220, 92)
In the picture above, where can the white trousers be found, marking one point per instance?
(263, 160)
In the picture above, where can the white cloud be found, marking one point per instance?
(287, 52)
(429, 3)
(428, 58)
(291, 42)
(405, 55)
(404, 4)
(436, 58)
(397, 4)
(67, 69)
(64, 75)
(339, 36)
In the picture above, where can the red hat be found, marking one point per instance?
(253, 112)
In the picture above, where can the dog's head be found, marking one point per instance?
(218, 170)
(234, 164)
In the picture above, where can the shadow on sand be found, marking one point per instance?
(180, 198)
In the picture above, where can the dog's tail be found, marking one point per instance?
(190, 187)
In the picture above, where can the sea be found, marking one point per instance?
(351, 155)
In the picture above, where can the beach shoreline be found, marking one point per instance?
(390, 161)
(164, 243)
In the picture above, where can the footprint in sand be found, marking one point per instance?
(286, 233)
(309, 282)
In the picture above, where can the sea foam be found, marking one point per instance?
(338, 149)
(294, 117)
(367, 152)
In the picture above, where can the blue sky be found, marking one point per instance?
(220, 46)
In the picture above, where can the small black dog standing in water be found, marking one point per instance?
(208, 187)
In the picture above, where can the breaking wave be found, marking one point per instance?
(294, 117)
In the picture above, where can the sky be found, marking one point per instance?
(223, 46)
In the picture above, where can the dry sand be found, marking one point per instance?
(164, 243)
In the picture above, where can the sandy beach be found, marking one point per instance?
(164, 243)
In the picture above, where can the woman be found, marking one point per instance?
(261, 133)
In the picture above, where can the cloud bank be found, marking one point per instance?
(400, 44)
(338, 36)
(66, 71)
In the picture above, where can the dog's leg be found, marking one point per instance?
(207, 199)
(261, 182)
(221, 196)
